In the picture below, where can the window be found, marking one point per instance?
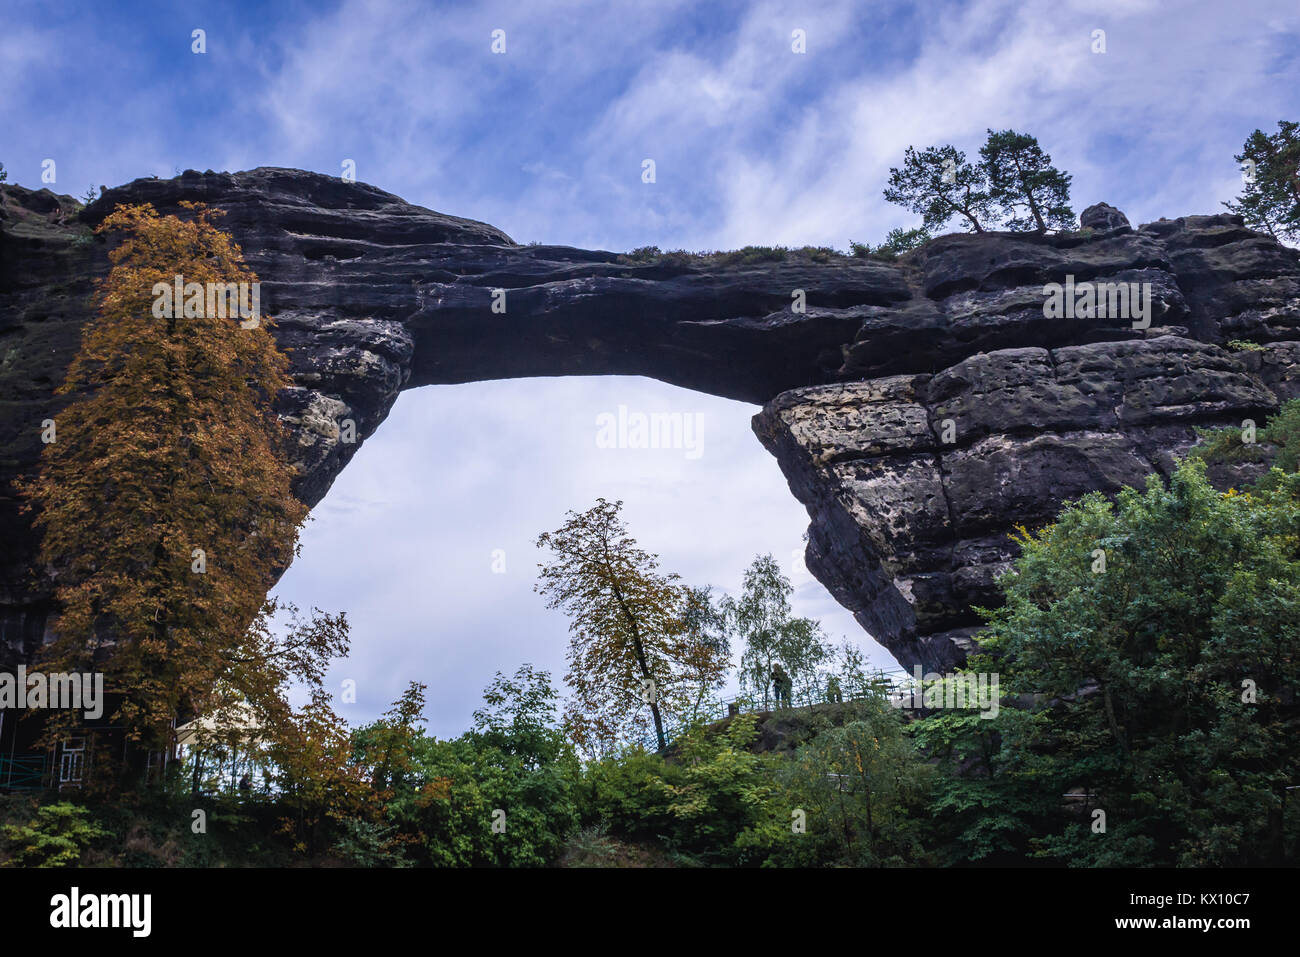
(72, 764)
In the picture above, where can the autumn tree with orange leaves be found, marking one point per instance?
(634, 658)
(317, 782)
(164, 499)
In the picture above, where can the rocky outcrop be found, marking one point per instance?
(909, 531)
(919, 408)
(1102, 216)
(914, 481)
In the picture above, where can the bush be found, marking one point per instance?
(1278, 440)
(367, 843)
(858, 791)
(55, 837)
(628, 795)
(897, 241)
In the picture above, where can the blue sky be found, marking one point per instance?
(752, 144)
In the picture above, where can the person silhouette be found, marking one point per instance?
(783, 685)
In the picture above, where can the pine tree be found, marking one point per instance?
(938, 183)
(1031, 193)
(1270, 200)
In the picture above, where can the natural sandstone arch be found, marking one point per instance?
(374, 295)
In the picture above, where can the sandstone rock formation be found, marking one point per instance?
(1102, 216)
(919, 408)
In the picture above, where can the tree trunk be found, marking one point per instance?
(965, 211)
(1029, 198)
(639, 652)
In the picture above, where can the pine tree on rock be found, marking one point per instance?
(1032, 194)
(938, 183)
(1270, 201)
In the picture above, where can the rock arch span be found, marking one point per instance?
(373, 295)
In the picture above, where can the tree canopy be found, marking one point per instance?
(1029, 192)
(164, 499)
(1160, 631)
(938, 183)
(631, 656)
(761, 617)
(1014, 185)
(1270, 198)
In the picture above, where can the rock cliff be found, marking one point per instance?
(919, 408)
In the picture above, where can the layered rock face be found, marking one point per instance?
(919, 409)
(915, 481)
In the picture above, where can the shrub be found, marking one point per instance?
(1171, 670)
(55, 837)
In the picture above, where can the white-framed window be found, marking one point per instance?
(72, 761)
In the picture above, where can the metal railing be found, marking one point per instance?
(889, 683)
(22, 772)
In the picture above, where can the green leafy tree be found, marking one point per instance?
(518, 718)
(725, 789)
(1270, 199)
(501, 795)
(986, 801)
(852, 675)
(861, 786)
(938, 183)
(762, 618)
(630, 655)
(626, 794)
(1030, 192)
(854, 794)
(1167, 675)
(706, 648)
